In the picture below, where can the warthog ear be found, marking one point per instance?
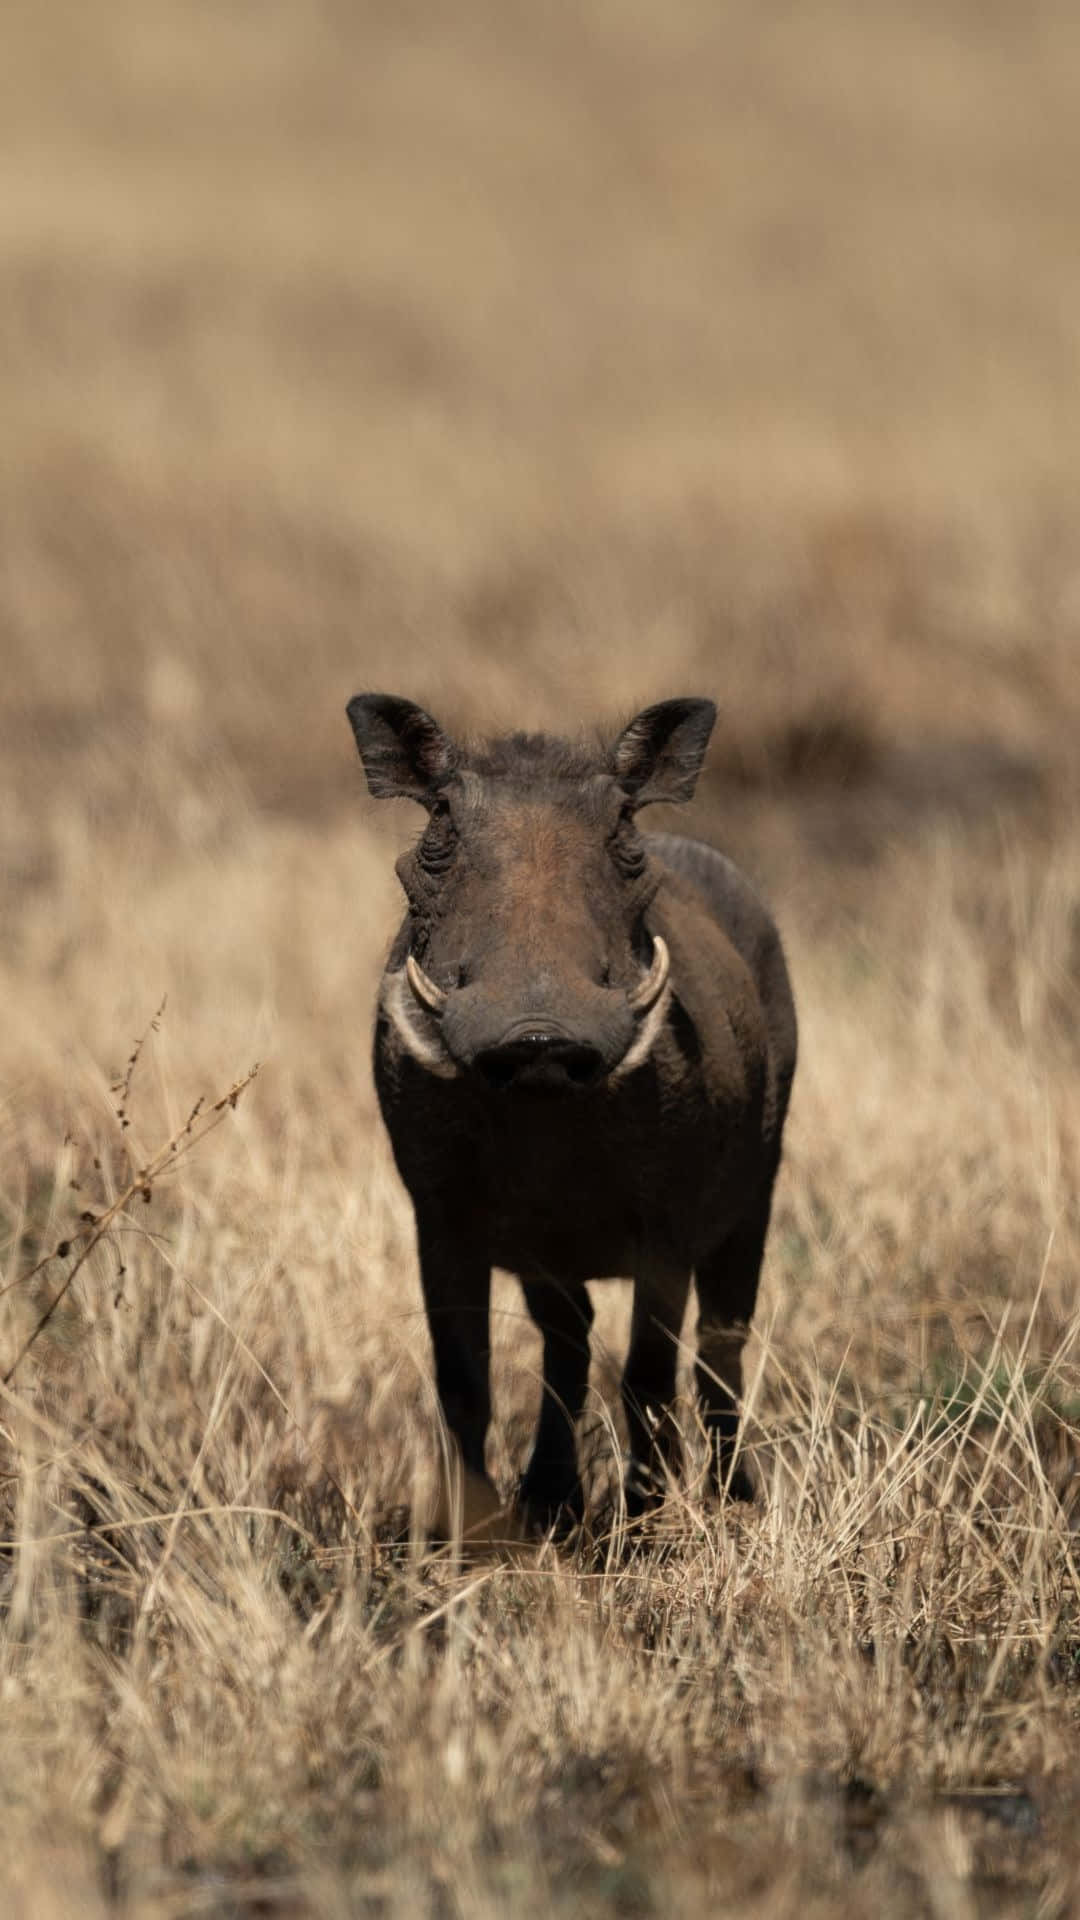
(404, 752)
(659, 755)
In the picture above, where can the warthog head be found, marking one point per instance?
(525, 960)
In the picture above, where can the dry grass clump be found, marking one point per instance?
(535, 364)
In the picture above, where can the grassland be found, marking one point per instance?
(534, 363)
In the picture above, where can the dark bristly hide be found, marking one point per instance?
(584, 1050)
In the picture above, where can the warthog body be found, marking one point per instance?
(584, 1050)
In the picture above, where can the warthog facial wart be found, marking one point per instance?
(584, 1048)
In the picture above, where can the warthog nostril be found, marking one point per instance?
(538, 1058)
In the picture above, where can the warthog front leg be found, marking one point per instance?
(551, 1487)
(727, 1283)
(648, 1388)
(456, 1281)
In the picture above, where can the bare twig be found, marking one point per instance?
(122, 1087)
(93, 1227)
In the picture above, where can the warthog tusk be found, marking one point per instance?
(425, 990)
(648, 992)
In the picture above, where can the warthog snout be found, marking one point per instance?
(555, 1037)
(540, 1060)
(569, 1039)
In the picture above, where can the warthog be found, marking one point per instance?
(584, 1049)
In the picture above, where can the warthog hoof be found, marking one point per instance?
(551, 1503)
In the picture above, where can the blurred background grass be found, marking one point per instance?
(534, 361)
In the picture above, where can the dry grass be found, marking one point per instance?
(534, 363)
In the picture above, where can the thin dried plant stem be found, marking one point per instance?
(109, 1528)
(168, 1157)
(268, 1380)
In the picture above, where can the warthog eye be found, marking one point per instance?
(626, 848)
(436, 850)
